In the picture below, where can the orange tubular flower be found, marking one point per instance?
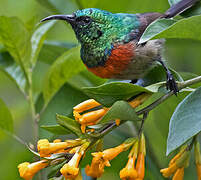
(101, 159)
(70, 170)
(167, 172)
(140, 166)
(89, 118)
(129, 172)
(197, 158)
(117, 121)
(198, 169)
(179, 175)
(177, 165)
(96, 169)
(139, 100)
(45, 148)
(27, 170)
(86, 105)
(92, 117)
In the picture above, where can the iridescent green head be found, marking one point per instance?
(95, 25)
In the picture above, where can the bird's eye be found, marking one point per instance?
(87, 20)
(83, 20)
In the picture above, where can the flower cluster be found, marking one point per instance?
(132, 171)
(70, 170)
(27, 170)
(70, 152)
(181, 161)
(77, 148)
(177, 164)
(88, 118)
(85, 114)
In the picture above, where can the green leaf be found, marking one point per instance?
(155, 28)
(120, 110)
(185, 121)
(156, 126)
(158, 74)
(195, 10)
(70, 124)
(55, 170)
(109, 93)
(65, 67)
(37, 40)
(12, 71)
(6, 120)
(16, 39)
(85, 79)
(62, 103)
(56, 129)
(51, 50)
(16, 76)
(188, 28)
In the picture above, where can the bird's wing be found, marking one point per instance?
(146, 19)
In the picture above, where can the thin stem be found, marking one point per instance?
(147, 109)
(35, 117)
(181, 85)
(142, 123)
(33, 114)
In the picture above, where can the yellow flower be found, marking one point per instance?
(117, 121)
(178, 155)
(167, 172)
(45, 148)
(111, 153)
(176, 165)
(139, 100)
(197, 158)
(140, 165)
(27, 170)
(70, 170)
(89, 118)
(179, 175)
(96, 169)
(93, 117)
(101, 159)
(198, 169)
(86, 105)
(129, 172)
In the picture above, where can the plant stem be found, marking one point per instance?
(147, 109)
(32, 106)
(35, 118)
(181, 85)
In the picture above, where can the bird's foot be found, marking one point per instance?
(171, 83)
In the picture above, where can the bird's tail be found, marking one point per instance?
(179, 8)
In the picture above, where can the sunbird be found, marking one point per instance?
(110, 45)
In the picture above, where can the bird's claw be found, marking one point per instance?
(171, 84)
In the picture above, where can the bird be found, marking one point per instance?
(110, 45)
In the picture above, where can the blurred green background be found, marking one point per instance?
(182, 55)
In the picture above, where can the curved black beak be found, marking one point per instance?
(68, 18)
